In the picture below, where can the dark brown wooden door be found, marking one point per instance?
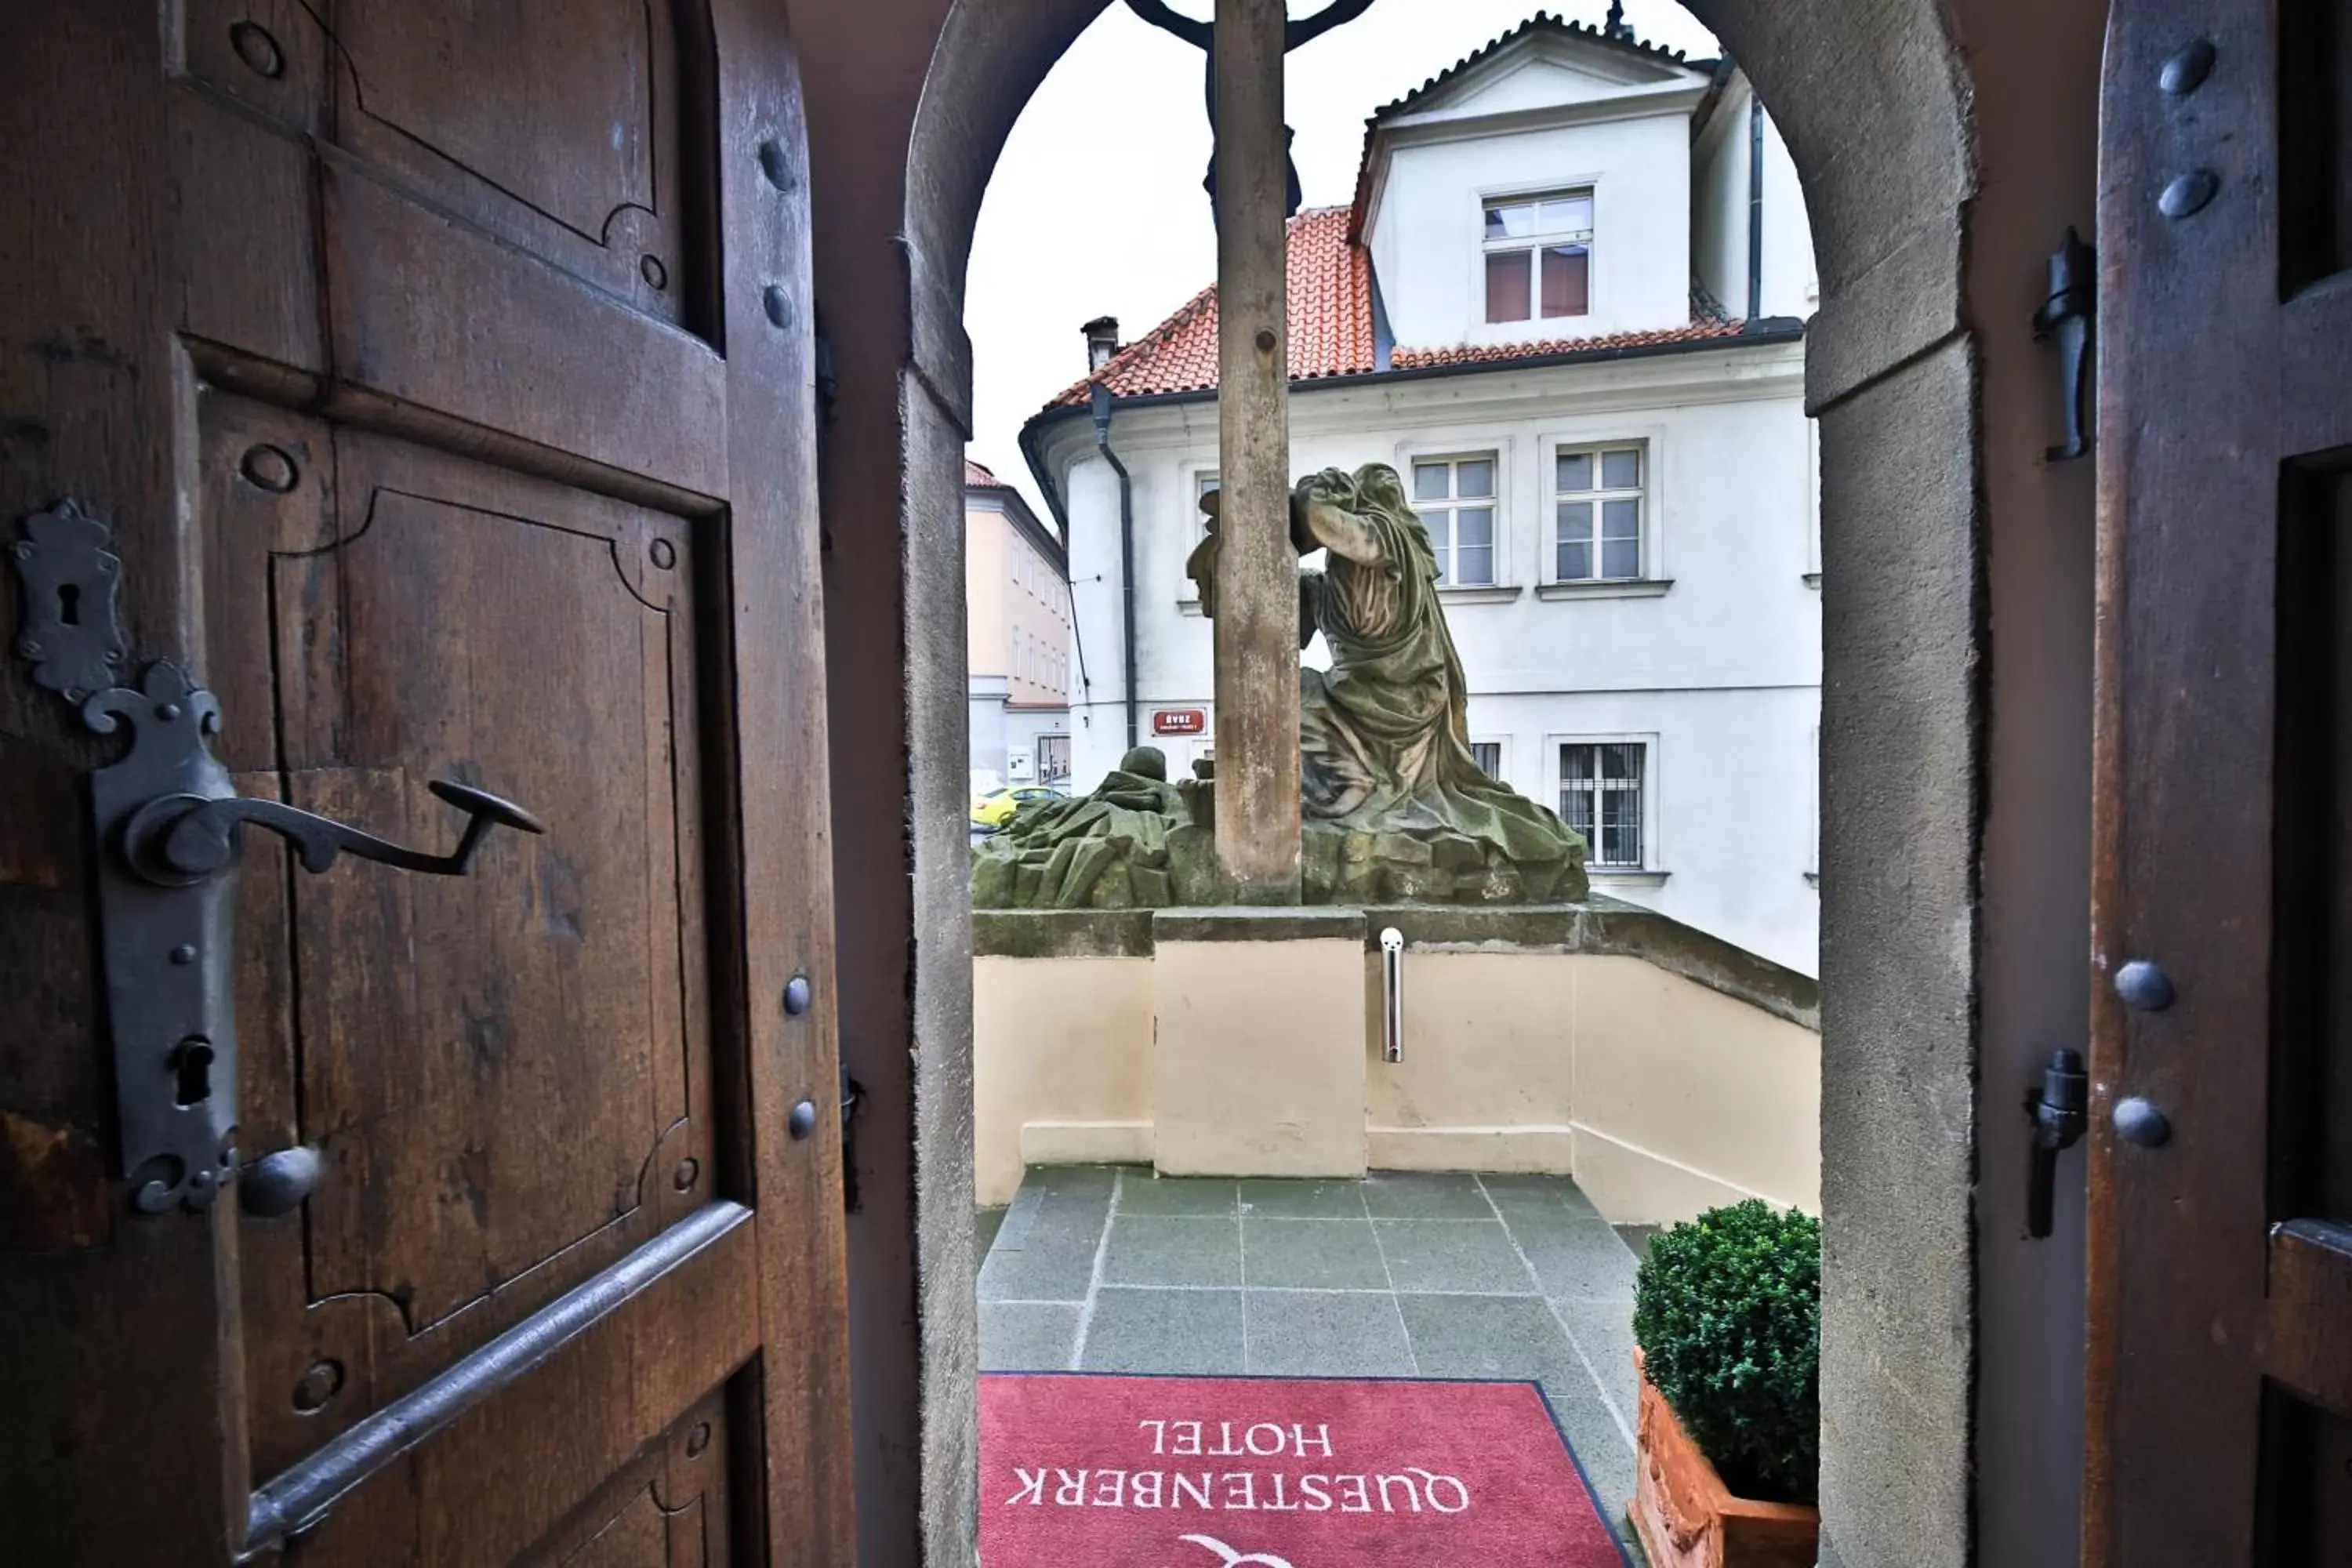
(444, 371)
(2220, 1205)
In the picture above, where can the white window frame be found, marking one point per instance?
(1191, 476)
(1813, 502)
(1502, 744)
(1813, 814)
(1198, 476)
(1651, 872)
(1503, 451)
(1498, 556)
(1653, 438)
(1587, 186)
(1554, 498)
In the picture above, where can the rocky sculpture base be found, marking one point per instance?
(1139, 842)
(1396, 808)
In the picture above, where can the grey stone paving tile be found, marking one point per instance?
(1491, 1336)
(1044, 1250)
(1172, 1249)
(1608, 1458)
(1070, 1181)
(1573, 1256)
(1637, 1238)
(1572, 1198)
(985, 1225)
(1147, 1194)
(1196, 1331)
(1424, 1194)
(1453, 1256)
(1025, 1336)
(1471, 1336)
(1318, 1333)
(1603, 1330)
(1506, 1188)
(1278, 1198)
(1311, 1255)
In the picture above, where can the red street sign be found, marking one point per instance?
(1178, 722)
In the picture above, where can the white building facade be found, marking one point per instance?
(1018, 640)
(1518, 313)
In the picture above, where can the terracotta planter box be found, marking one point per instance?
(1688, 1518)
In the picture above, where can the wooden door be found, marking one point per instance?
(444, 371)
(2220, 1416)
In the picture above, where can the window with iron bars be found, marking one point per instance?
(1600, 786)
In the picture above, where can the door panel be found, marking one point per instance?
(669, 1509)
(444, 371)
(432, 615)
(2221, 1239)
(639, 396)
(521, 1445)
(570, 131)
(490, 1061)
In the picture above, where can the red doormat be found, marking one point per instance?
(1098, 1472)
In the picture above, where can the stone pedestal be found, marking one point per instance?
(1258, 1061)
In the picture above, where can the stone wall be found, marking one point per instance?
(1943, 145)
(1667, 1073)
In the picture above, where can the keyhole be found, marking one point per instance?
(69, 604)
(194, 1064)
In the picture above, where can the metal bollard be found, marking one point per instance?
(1392, 995)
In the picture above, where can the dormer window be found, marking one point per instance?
(1539, 256)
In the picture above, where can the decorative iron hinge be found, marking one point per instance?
(2059, 1107)
(2067, 315)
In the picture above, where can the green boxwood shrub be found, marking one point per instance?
(1727, 1311)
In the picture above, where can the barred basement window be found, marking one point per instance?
(1600, 796)
(1597, 496)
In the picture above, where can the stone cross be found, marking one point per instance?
(1202, 35)
(1255, 620)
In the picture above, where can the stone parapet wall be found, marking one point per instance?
(1664, 1069)
(1596, 926)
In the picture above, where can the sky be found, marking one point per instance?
(1096, 206)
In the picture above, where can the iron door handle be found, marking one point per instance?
(167, 896)
(175, 840)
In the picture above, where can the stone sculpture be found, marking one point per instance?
(1396, 809)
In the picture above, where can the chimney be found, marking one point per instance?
(1102, 340)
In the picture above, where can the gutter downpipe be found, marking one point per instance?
(1754, 204)
(1099, 401)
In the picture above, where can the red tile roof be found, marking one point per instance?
(1330, 322)
(1496, 354)
(977, 474)
(1330, 328)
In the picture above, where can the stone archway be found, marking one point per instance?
(1875, 104)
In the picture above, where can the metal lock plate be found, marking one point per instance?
(168, 988)
(69, 632)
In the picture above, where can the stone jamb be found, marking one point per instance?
(1873, 101)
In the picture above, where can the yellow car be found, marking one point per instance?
(996, 808)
